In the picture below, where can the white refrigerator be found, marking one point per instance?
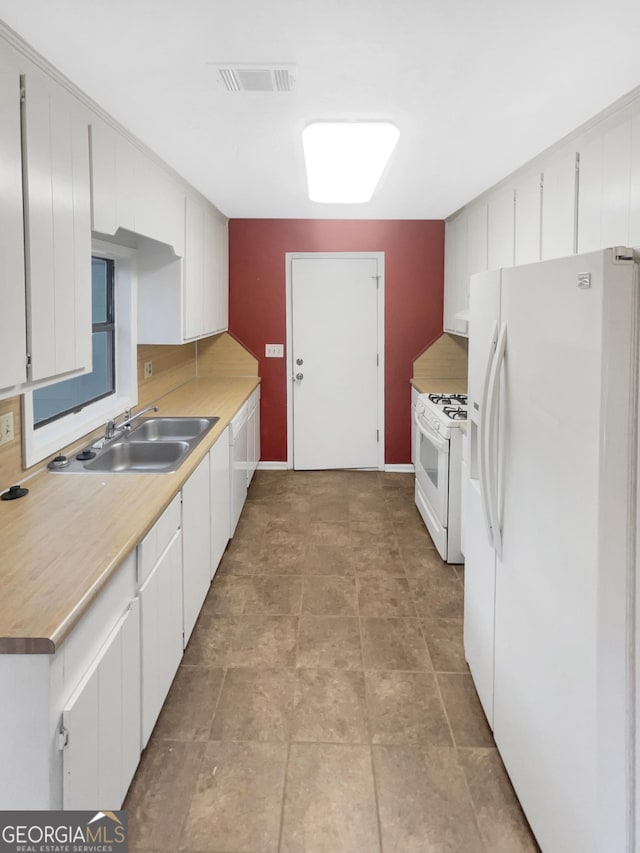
(550, 529)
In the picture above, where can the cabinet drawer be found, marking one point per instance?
(157, 539)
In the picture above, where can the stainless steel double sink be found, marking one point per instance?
(156, 445)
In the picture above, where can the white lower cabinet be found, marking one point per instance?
(76, 721)
(160, 593)
(253, 434)
(196, 544)
(414, 400)
(101, 723)
(238, 465)
(220, 509)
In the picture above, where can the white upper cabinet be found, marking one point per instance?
(195, 322)
(13, 364)
(465, 253)
(590, 195)
(616, 180)
(634, 188)
(456, 279)
(500, 229)
(581, 196)
(527, 214)
(216, 269)
(131, 191)
(58, 228)
(206, 271)
(559, 188)
(609, 197)
(477, 239)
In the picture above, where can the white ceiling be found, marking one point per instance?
(476, 87)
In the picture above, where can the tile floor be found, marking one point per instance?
(323, 704)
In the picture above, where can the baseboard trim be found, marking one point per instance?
(404, 468)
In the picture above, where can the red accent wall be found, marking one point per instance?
(414, 282)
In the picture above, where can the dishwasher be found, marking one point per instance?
(238, 464)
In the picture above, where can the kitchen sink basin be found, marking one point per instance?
(154, 445)
(140, 456)
(172, 429)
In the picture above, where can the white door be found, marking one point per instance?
(334, 347)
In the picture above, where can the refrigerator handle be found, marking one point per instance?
(483, 428)
(492, 462)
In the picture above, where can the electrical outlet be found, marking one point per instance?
(148, 369)
(6, 428)
(274, 350)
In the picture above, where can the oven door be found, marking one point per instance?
(432, 469)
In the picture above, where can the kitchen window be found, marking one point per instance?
(72, 395)
(58, 415)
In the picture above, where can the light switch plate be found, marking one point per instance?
(274, 350)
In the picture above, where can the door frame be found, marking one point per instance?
(289, 257)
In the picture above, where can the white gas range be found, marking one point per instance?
(438, 458)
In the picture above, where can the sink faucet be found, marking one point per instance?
(129, 419)
(115, 430)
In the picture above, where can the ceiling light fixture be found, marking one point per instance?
(346, 159)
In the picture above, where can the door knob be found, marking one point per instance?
(299, 361)
(299, 376)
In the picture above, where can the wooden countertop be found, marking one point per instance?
(62, 543)
(439, 386)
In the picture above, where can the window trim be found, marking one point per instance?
(50, 438)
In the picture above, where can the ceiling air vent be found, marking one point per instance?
(256, 78)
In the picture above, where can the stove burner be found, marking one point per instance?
(456, 414)
(460, 399)
(448, 399)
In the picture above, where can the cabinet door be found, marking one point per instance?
(58, 229)
(13, 364)
(559, 206)
(160, 633)
(102, 722)
(616, 178)
(253, 435)
(216, 271)
(104, 187)
(196, 544)
(634, 201)
(477, 239)
(220, 498)
(527, 220)
(456, 279)
(590, 196)
(500, 237)
(194, 320)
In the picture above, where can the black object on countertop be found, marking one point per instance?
(85, 454)
(14, 493)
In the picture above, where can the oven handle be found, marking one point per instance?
(441, 443)
(483, 429)
(492, 466)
